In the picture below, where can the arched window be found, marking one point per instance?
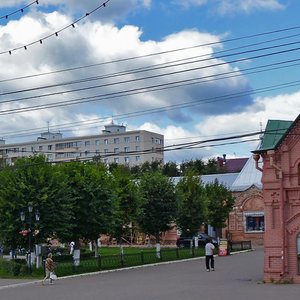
(298, 252)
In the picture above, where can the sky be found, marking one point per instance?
(196, 71)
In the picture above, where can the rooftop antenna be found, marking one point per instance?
(48, 126)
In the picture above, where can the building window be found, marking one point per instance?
(126, 159)
(116, 140)
(40, 148)
(105, 160)
(126, 140)
(116, 150)
(254, 222)
(49, 147)
(23, 149)
(87, 143)
(106, 141)
(97, 142)
(86, 153)
(116, 160)
(137, 148)
(137, 158)
(105, 150)
(126, 149)
(137, 138)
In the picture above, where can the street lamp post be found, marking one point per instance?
(37, 218)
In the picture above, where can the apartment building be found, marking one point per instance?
(113, 145)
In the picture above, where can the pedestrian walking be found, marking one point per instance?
(209, 256)
(49, 268)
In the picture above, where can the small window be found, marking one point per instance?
(137, 158)
(87, 143)
(97, 142)
(126, 149)
(40, 148)
(137, 138)
(116, 140)
(126, 140)
(116, 150)
(106, 141)
(126, 159)
(116, 160)
(49, 147)
(254, 222)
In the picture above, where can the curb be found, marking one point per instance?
(15, 285)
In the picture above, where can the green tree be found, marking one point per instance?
(170, 169)
(220, 203)
(92, 189)
(33, 181)
(197, 167)
(191, 204)
(212, 167)
(158, 204)
(127, 204)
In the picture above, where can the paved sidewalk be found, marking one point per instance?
(236, 276)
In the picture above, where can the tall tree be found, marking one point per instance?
(93, 192)
(127, 204)
(158, 204)
(191, 204)
(220, 203)
(33, 181)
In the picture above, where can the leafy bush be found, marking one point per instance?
(13, 267)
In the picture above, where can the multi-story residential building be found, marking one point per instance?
(114, 145)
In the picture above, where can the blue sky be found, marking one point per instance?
(215, 35)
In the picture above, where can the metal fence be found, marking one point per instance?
(109, 262)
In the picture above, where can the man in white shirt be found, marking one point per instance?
(209, 256)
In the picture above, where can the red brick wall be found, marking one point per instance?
(281, 193)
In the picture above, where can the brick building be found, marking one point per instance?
(246, 221)
(280, 153)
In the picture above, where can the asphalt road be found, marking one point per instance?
(236, 277)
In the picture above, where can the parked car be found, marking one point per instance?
(203, 238)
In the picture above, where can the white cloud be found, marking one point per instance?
(234, 6)
(247, 6)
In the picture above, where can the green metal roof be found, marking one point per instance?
(274, 132)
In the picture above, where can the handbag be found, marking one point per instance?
(53, 276)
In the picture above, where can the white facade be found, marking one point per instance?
(114, 145)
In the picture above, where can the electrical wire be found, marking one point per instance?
(40, 41)
(21, 10)
(177, 63)
(167, 52)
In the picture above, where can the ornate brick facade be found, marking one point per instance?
(281, 194)
(246, 202)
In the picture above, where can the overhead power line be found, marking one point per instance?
(121, 93)
(168, 52)
(177, 63)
